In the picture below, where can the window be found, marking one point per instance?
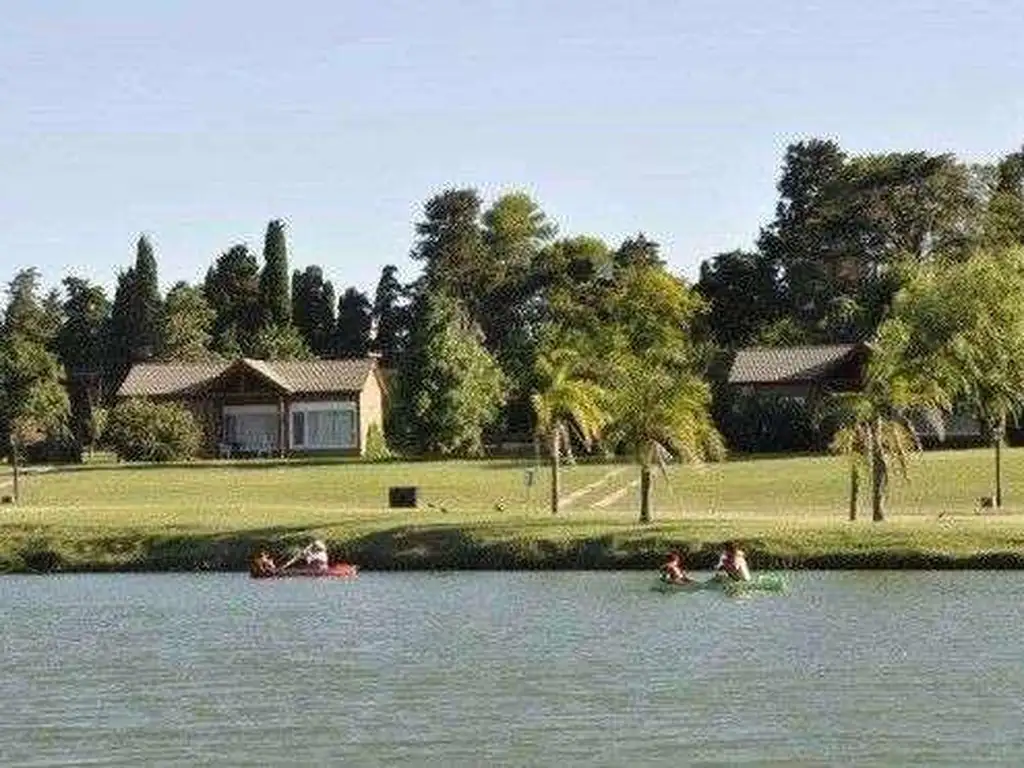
(251, 427)
(324, 425)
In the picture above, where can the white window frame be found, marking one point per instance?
(261, 409)
(312, 406)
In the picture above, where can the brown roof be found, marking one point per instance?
(770, 365)
(295, 377)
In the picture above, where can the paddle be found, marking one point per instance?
(302, 553)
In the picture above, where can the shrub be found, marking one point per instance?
(141, 430)
(376, 444)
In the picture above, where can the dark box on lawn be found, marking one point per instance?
(402, 496)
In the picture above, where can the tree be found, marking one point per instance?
(186, 321)
(743, 295)
(355, 319)
(35, 319)
(878, 429)
(33, 401)
(660, 404)
(231, 288)
(390, 316)
(313, 309)
(450, 245)
(656, 413)
(82, 344)
(280, 342)
(966, 320)
(564, 401)
(145, 304)
(448, 388)
(1004, 218)
(135, 316)
(274, 294)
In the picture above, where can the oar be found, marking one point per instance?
(301, 554)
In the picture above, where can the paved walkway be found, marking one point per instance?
(568, 499)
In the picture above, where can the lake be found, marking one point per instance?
(522, 669)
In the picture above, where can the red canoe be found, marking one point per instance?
(335, 571)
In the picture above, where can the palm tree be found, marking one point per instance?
(659, 412)
(876, 440)
(565, 401)
(877, 430)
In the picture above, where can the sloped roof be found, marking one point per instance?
(294, 377)
(771, 365)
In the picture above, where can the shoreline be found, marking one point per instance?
(449, 548)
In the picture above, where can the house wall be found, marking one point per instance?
(371, 409)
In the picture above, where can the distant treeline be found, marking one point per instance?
(500, 290)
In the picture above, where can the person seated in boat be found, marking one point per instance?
(672, 570)
(263, 565)
(316, 556)
(733, 563)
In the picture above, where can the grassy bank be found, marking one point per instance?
(788, 512)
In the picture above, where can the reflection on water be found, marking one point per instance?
(510, 669)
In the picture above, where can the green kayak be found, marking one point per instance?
(763, 582)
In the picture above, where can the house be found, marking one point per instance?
(259, 407)
(799, 373)
(804, 374)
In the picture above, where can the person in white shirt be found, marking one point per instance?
(733, 563)
(316, 556)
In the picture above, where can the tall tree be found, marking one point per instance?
(450, 245)
(313, 309)
(145, 304)
(82, 346)
(185, 325)
(515, 230)
(355, 318)
(1004, 218)
(231, 290)
(742, 291)
(135, 316)
(638, 251)
(390, 316)
(565, 401)
(448, 388)
(274, 294)
(966, 320)
(33, 401)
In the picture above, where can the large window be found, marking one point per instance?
(324, 425)
(251, 428)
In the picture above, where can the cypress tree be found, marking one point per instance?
(274, 295)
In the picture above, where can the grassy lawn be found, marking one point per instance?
(789, 511)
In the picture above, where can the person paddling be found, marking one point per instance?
(263, 565)
(733, 563)
(672, 570)
(316, 556)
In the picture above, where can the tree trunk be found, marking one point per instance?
(645, 494)
(878, 476)
(854, 490)
(554, 471)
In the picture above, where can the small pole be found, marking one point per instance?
(14, 467)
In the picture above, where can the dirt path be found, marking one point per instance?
(568, 499)
(611, 498)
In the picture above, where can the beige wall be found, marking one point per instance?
(371, 408)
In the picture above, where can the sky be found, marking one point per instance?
(196, 123)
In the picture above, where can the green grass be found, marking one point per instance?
(788, 511)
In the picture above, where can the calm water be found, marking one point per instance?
(510, 669)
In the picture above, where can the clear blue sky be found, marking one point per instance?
(197, 122)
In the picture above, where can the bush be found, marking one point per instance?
(141, 430)
(376, 445)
